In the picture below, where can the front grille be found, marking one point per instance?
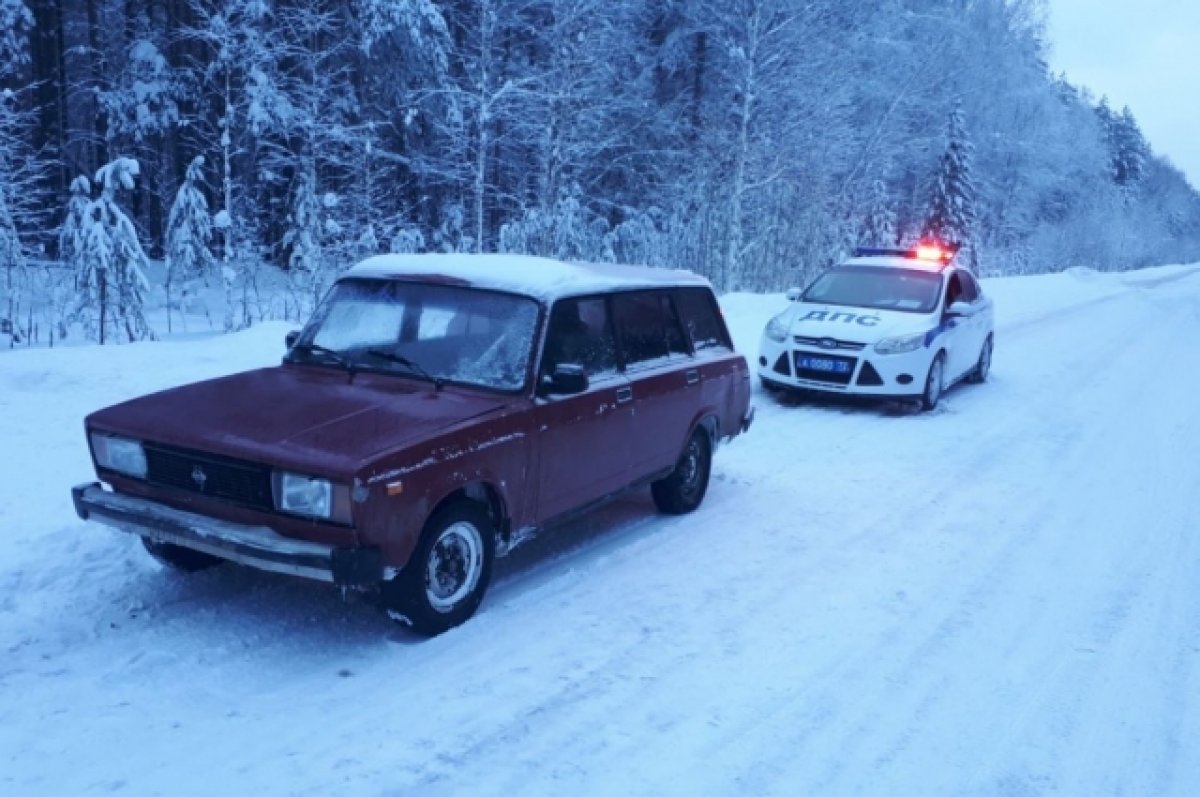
(830, 343)
(234, 480)
(831, 377)
(781, 365)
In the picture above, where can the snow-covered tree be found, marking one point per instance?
(951, 216)
(71, 236)
(114, 283)
(189, 233)
(15, 25)
(304, 240)
(189, 229)
(879, 223)
(1127, 147)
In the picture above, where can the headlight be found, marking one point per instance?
(119, 454)
(901, 344)
(298, 494)
(776, 330)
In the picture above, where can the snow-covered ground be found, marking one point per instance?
(1000, 598)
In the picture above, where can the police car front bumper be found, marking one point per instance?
(861, 373)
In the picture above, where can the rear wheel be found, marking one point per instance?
(935, 383)
(179, 558)
(443, 583)
(984, 366)
(683, 490)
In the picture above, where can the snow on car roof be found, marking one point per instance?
(540, 277)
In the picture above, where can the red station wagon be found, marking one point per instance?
(436, 411)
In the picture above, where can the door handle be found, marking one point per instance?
(624, 395)
(693, 376)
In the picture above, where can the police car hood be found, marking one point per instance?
(857, 324)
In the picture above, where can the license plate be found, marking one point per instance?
(824, 364)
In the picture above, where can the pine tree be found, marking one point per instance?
(879, 224)
(1129, 151)
(71, 243)
(305, 241)
(114, 278)
(951, 218)
(189, 233)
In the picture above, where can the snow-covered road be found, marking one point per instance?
(1000, 598)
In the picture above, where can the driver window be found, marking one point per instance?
(954, 291)
(970, 287)
(579, 333)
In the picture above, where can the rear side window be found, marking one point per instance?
(702, 319)
(649, 327)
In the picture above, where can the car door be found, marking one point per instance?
(968, 330)
(981, 317)
(662, 372)
(583, 439)
(957, 329)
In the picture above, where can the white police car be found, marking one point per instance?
(889, 323)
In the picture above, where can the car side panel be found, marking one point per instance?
(404, 489)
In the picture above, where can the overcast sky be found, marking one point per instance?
(1141, 53)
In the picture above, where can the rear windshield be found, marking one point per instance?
(877, 287)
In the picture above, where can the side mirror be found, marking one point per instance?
(289, 339)
(960, 310)
(567, 380)
(793, 294)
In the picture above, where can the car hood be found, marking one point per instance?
(857, 324)
(319, 420)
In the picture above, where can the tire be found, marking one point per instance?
(683, 490)
(179, 558)
(445, 580)
(984, 366)
(935, 383)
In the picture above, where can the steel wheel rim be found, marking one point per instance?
(689, 468)
(454, 566)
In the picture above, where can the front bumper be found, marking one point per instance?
(254, 546)
(894, 376)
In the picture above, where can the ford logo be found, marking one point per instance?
(199, 477)
(827, 343)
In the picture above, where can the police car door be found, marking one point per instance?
(977, 324)
(958, 330)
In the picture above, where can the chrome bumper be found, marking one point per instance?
(254, 546)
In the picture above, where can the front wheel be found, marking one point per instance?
(684, 489)
(443, 583)
(935, 383)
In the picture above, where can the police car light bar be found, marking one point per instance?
(928, 252)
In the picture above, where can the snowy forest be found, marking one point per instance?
(209, 153)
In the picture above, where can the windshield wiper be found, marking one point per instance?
(400, 359)
(333, 354)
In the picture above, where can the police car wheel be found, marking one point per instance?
(984, 366)
(935, 383)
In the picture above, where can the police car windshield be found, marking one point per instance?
(877, 287)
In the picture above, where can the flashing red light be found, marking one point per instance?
(932, 253)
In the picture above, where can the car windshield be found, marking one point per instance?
(877, 287)
(437, 332)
